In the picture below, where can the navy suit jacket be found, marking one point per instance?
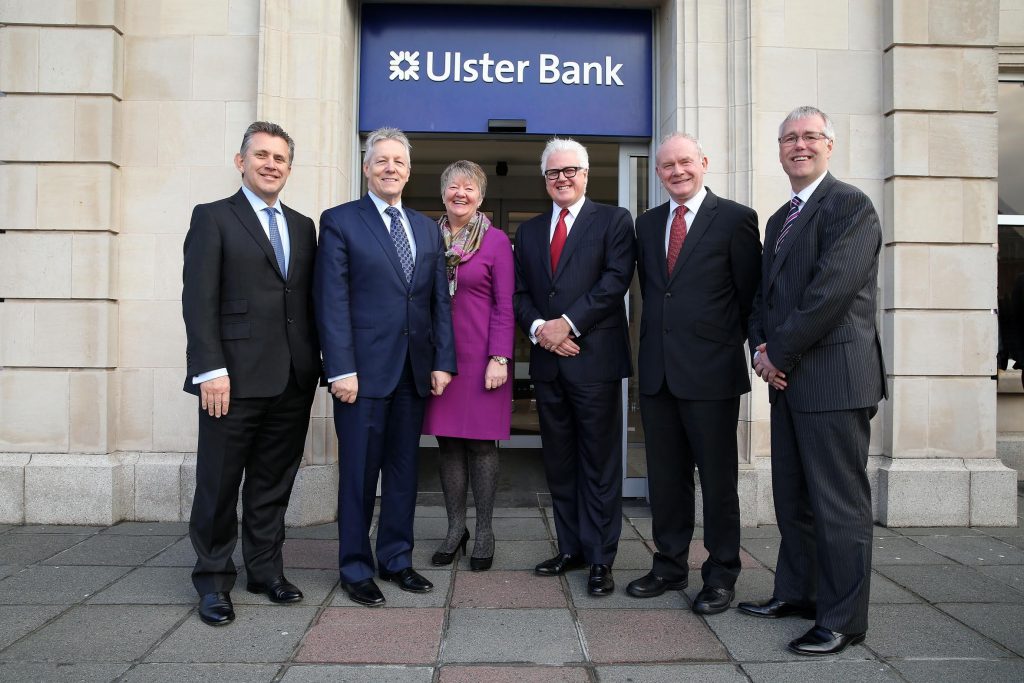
(594, 272)
(817, 301)
(370, 319)
(695, 319)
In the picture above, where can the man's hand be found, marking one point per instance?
(552, 333)
(345, 389)
(495, 375)
(567, 348)
(767, 371)
(215, 395)
(439, 379)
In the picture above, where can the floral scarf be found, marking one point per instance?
(461, 246)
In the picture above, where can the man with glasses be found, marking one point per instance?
(574, 265)
(814, 339)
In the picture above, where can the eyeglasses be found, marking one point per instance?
(808, 138)
(568, 172)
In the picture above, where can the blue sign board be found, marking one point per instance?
(451, 69)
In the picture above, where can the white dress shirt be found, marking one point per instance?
(692, 207)
(570, 218)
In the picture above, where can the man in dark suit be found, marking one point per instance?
(254, 362)
(699, 263)
(573, 268)
(815, 343)
(383, 311)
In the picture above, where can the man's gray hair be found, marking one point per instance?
(806, 111)
(270, 129)
(682, 136)
(387, 133)
(564, 145)
(464, 169)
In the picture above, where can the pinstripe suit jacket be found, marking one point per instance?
(816, 304)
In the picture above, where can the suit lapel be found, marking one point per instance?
(247, 217)
(706, 214)
(421, 234)
(544, 244)
(579, 225)
(375, 226)
(802, 221)
(292, 219)
(655, 239)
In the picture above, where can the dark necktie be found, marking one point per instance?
(676, 236)
(275, 240)
(794, 212)
(558, 240)
(401, 241)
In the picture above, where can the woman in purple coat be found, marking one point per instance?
(476, 408)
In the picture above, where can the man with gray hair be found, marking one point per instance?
(384, 316)
(573, 268)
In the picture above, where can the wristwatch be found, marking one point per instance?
(500, 360)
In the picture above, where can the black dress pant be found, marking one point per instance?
(680, 435)
(263, 439)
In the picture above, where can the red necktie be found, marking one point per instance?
(676, 235)
(558, 240)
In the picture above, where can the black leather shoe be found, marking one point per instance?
(279, 590)
(600, 581)
(776, 609)
(481, 564)
(364, 592)
(651, 585)
(559, 564)
(713, 600)
(820, 641)
(441, 558)
(216, 608)
(408, 580)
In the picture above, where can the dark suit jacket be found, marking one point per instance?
(695, 321)
(239, 311)
(817, 301)
(369, 318)
(594, 273)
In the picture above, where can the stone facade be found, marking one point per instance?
(120, 115)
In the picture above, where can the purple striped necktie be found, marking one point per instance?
(794, 212)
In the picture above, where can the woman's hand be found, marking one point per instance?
(495, 375)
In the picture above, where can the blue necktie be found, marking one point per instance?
(275, 241)
(794, 212)
(401, 241)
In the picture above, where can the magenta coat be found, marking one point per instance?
(484, 326)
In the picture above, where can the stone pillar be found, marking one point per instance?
(939, 331)
(61, 68)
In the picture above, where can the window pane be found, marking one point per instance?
(1011, 147)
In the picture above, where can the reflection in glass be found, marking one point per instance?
(1011, 147)
(1010, 285)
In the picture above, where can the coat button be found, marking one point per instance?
(287, 291)
(290, 321)
(668, 295)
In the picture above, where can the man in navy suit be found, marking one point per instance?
(812, 330)
(699, 264)
(254, 362)
(573, 269)
(384, 316)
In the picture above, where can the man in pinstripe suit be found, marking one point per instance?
(816, 344)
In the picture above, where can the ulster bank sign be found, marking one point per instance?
(452, 69)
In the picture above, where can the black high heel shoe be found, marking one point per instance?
(439, 559)
(480, 564)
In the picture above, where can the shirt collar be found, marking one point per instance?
(258, 204)
(383, 205)
(692, 204)
(806, 193)
(574, 209)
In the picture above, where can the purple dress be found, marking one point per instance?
(484, 326)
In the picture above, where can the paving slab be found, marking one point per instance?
(1011, 575)
(316, 585)
(510, 512)
(763, 531)
(24, 672)
(19, 620)
(933, 531)
(974, 550)
(50, 585)
(453, 673)
(148, 529)
(374, 636)
(396, 597)
(104, 549)
(886, 591)
(426, 528)
(98, 633)
(506, 590)
(826, 671)
(1002, 623)
(670, 673)
(421, 510)
(326, 531)
(950, 583)
(72, 529)
(624, 635)
(181, 554)
(258, 634)
(750, 639)
(921, 631)
(620, 599)
(150, 586)
(311, 553)
(961, 670)
(901, 550)
(698, 555)
(8, 569)
(755, 584)
(1015, 541)
(642, 526)
(341, 673)
(633, 555)
(5, 527)
(25, 548)
(539, 636)
(519, 529)
(201, 673)
(764, 549)
(515, 555)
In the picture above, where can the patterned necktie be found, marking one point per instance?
(676, 235)
(558, 240)
(401, 241)
(275, 240)
(794, 212)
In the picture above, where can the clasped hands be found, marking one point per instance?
(556, 336)
(766, 370)
(346, 389)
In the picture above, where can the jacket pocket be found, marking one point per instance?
(715, 333)
(234, 307)
(840, 335)
(240, 330)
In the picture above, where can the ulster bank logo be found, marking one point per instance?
(550, 69)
